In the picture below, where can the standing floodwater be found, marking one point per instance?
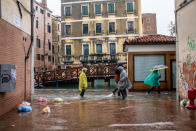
(100, 111)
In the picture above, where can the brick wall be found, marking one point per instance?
(14, 44)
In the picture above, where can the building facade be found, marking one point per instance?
(56, 38)
(148, 51)
(44, 58)
(186, 46)
(15, 49)
(94, 31)
(149, 24)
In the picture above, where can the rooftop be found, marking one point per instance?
(151, 39)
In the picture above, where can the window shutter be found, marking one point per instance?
(130, 7)
(144, 63)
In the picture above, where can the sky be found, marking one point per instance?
(163, 8)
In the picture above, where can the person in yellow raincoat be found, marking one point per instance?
(83, 82)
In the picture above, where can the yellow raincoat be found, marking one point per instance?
(82, 81)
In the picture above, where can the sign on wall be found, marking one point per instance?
(7, 77)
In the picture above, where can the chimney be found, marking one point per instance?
(44, 3)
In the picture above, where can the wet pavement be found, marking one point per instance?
(100, 111)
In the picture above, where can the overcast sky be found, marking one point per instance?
(163, 8)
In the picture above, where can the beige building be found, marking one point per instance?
(94, 31)
(186, 46)
(44, 59)
(56, 38)
(149, 24)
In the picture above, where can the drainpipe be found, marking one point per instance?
(29, 50)
(44, 36)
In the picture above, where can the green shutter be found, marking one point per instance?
(111, 8)
(99, 48)
(84, 10)
(86, 50)
(112, 48)
(98, 9)
(68, 49)
(130, 7)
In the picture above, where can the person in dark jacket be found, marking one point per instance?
(116, 78)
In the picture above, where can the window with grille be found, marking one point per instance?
(111, 8)
(84, 10)
(97, 9)
(112, 27)
(98, 28)
(85, 29)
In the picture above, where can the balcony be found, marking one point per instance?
(103, 58)
(68, 59)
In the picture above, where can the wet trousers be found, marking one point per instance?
(82, 93)
(153, 89)
(124, 93)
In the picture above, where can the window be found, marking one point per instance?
(68, 49)
(53, 59)
(130, 26)
(48, 14)
(41, 11)
(111, 7)
(85, 48)
(99, 48)
(112, 48)
(111, 27)
(67, 11)
(129, 7)
(84, 10)
(97, 9)
(42, 57)
(85, 29)
(38, 56)
(144, 63)
(49, 58)
(38, 42)
(148, 28)
(36, 7)
(49, 28)
(58, 27)
(37, 23)
(58, 49)
(49, 45)
(98, 28)
(68, 29)
(58, 37)
(52, 49)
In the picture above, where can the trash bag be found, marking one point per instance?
(46, 110)
(26, 103)
(42, 99)
(58, 99)
(23, 108)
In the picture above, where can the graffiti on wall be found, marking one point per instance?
(187, 68)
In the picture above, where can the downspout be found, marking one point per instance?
(31, 45)
(177, 57)
(44, 35)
